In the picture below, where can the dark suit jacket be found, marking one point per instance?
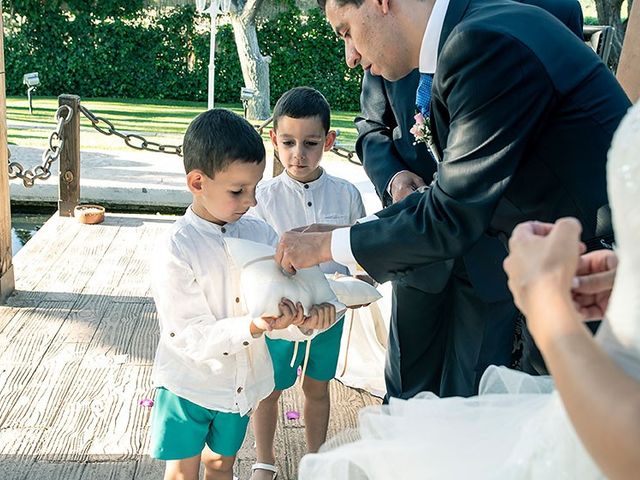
(522, 115)
(386, 148)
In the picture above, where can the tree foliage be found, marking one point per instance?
(89, 49)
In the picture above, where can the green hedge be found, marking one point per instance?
(100, 54)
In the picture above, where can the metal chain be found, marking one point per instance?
(137, 142)
(50, 155)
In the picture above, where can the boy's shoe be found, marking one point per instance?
(265, 466)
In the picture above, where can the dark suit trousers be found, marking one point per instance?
(442, 342)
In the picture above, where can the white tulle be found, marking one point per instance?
(517, 428)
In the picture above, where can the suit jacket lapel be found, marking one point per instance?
(455, 12)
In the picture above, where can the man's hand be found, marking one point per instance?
(303, 250)
(593, 283)
(320, 317)
(403, 184)
(318, 227)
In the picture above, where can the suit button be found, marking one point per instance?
(237, 299)
(239, 390)
(172, 334)
(308, 204)
(245, 343)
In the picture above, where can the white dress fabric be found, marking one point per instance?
(517, 427)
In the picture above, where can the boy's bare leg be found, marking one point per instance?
(216, 466)
(184, 469)
(264, 421)
(316, 412)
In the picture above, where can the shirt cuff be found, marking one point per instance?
(341, 245)
(392, 179)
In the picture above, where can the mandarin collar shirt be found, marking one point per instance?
(206, 353)
(285, 203)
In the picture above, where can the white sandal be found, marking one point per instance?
(265, 466)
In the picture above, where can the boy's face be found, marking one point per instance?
(300, 143)
(227, 196)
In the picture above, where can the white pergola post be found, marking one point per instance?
(214, 8)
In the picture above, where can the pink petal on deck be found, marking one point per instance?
(292, 415)
(145, 402)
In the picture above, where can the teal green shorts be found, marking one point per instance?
(180, 428)
(323, 358)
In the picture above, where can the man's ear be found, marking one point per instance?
(274, 138)
(194, 181)
(329, 140)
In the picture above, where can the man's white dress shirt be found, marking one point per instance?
(341, 238)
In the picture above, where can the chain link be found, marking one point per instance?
(132, 140)
(50, 155)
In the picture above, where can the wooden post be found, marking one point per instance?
(69, 184)
(6, 265)
(629, 66)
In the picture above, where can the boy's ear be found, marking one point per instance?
(194, 181)
(329, 140)
(274, 138)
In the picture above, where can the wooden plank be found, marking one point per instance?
(13, 467)
(144, 340)
(629, 67)
(56, 471)
(109, 471)
(101, 411)
(149, 469)
(6, 269)
(35, 262)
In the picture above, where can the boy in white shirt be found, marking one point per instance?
(302, 195)
(212, 366)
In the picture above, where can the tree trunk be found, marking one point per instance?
(255, 66)
(609, 14)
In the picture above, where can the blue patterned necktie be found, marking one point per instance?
(423, 95)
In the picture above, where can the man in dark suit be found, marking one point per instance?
(522, 114)
(427, 350)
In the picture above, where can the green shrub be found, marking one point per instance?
(105, 49)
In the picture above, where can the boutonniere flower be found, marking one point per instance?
(421, 130)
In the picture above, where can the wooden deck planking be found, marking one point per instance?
(77, 343)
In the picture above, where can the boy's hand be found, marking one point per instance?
(320, 317)
(260, 325)
(290, 315)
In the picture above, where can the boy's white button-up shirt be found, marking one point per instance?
(285, 203)
(206, 353)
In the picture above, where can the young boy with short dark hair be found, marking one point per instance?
(212, 366)
(303, 194)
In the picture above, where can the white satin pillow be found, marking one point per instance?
(352, 291)
(263, 282)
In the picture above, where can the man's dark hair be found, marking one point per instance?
(303, 102)
(341, 3)
(216, 138)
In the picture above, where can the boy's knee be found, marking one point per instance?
(273, 396)
(315, 389)
(218, 463)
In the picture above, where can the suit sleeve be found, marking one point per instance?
(375, 125)
(495, 98)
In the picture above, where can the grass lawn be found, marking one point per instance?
(161, 121)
